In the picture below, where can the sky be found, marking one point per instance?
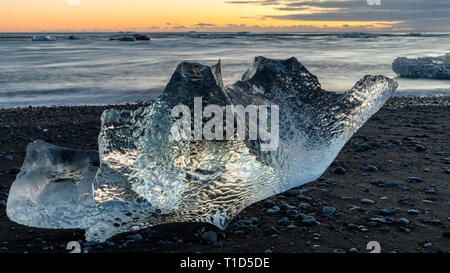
(224, 15)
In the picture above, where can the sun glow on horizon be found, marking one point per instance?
(155, 15)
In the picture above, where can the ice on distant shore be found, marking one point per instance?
(132, 38)
(427, 67)
(42, 39)
(146, 178)
(74, 37)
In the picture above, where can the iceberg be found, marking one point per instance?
(42, 39)
(427, 67)
(141, 37)
(127, 38)
(74, 37)
(143, 176)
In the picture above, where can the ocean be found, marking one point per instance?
(95, 70)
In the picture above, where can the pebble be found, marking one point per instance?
(352, 250)
(90, 243)
(218, 244)
(328, 211)
(367, 201)
(431, 221)
(291, 226)
(8, 158)
(420, 148)
(403, 221)
(377, 182)
(392, 184)
(135, 237)
(386, 211)
(406, 230)
(414, 179)
(294, 192)
(302, 197)
(339, 170)
(210, 236)
(370, 168)
(110, 244)
(339, 251)
(304, 206)
(273, 210)
(308, 219)
(292, 213)
(285, 206)
(283, 221)
(413, 211)
(427, 245)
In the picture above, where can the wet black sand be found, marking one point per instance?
(407, 138)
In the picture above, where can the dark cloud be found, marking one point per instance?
(258, 2)
(204, 25)
(420, 15)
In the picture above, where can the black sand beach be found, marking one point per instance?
(390, 183)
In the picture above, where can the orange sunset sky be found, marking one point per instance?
(188, 15)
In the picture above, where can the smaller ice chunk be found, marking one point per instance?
(428, 67)
(60, 190)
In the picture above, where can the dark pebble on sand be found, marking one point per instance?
(294, 192)
(285, 207)
(283, 221)
(392, 184)
(427, 245)
(91, 244)
(210, 236)
(377, 182)
(135, 237)
(420, 148)
(386, 211)
(352, 250)
(370, 168)
(367, 201)
(328, 211)
(363, 147)
(308, 219)
(414, 179)
(303, 206)
(339, 170)
(413, 212)
(273, 210)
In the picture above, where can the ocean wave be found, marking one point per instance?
(211, 35)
